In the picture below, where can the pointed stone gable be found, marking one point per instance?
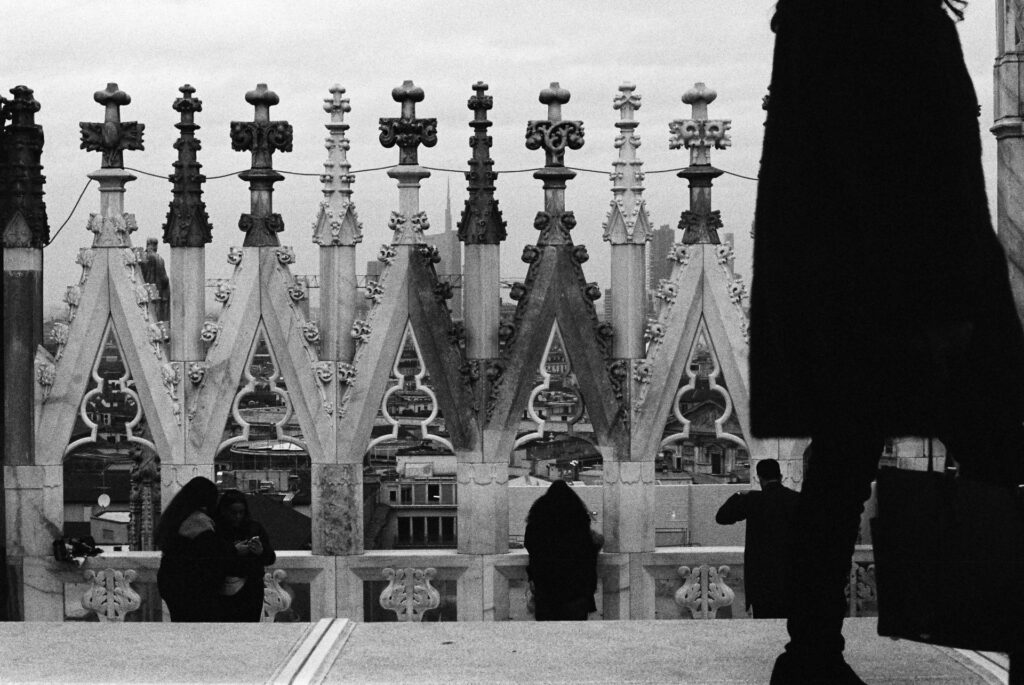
(409, 294)
(555, 290)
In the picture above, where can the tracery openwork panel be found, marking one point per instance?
(262, 452)
(409, 483)
(702, 438)
(111, 466)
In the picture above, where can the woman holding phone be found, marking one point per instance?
(242, 592)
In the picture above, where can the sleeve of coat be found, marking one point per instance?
(269, 556)
(734, 509)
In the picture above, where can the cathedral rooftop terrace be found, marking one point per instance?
(342, 651)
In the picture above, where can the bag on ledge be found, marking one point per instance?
(949, 560)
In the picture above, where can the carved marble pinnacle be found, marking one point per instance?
(188, 224)
(21, 179)
(554, 134)
(337, 223)
(112, 137)
(407, 131)
(481, 221)
(627, 221)
(262, 137)
(699, 134)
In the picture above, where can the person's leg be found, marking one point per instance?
(831, 501)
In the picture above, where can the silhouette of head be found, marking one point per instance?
(199, 494)
(232, 509)
(768, 470)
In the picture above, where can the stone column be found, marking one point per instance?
(187, 231)
(1009, 132)
(25, 233)
(628, 229)
(628, 478)
(337, 230)
(482, 229)
(483, 493)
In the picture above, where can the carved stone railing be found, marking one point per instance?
(669, 583)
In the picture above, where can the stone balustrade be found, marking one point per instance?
(669, 583)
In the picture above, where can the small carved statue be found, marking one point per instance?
(154, 271)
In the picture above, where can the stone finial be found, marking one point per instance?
(337, 222)
(112, 137)
(262, 137)
(554, 134)
(407, 131)
(627, 101)
(627, 221)
(698, 135)
(22, 210)
(554, 96)
(481, 221)
(22, 108)
(337, 106)
(187, 223)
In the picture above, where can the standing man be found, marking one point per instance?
(770, 515)
(154, 271)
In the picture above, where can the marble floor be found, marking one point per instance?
(341, 651)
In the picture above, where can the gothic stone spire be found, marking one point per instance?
(408, 133)
(698, 134)
(262, 137)
(22, 210)
(187, 222)
(481, 221)
(554, 135)
(627, 221)
(337, 223)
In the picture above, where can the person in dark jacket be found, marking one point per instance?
(194, 559)
(880, 301)
(242, 593)
(563, 555)
(770, 515)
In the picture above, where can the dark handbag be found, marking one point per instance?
(949, 560)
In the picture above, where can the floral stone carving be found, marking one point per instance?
(704, 590)
(409, 593)
(110, 595)
(275, 598)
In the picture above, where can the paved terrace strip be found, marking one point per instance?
(340, 651)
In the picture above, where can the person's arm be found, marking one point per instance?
(268, 556)
(734, 510)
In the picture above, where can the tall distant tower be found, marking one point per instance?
(659, 266)
(450, 266)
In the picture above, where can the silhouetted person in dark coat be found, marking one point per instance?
(880, 302)
(195, 559)
(770, 514)
(563, 555)
(242, 594)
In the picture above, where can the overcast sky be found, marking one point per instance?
(67, 50)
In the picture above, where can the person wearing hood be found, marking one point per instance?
(563, 555)
(194, 559)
